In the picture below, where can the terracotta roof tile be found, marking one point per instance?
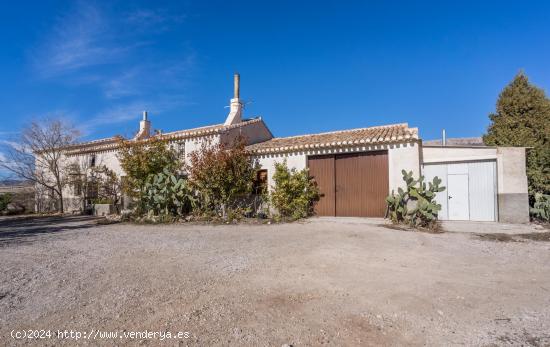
(372, 135)
(207, 130)
(111, 143)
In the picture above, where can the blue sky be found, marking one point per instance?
(306, 66)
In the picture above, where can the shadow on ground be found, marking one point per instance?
(540, 236)
(24, 230)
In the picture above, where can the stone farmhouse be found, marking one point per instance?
(356, 168)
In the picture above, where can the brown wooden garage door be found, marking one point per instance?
(354, 184)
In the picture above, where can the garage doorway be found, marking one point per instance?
(471, 189)
(351, 184)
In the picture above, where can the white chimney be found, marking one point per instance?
(235, 106)
(144, 128)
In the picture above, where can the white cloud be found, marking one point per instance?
(150, 79)
(118, 114)
(4, 173)
(155, 20)
(91, 46)
(7, 133)
(145, 17)
(131, 111)
(9, 143)
(125, 84)
(115, 115)
(78, 40)
(87, 36)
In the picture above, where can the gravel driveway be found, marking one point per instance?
(311, 283)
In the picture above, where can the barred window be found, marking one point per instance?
(75, 181)
(180, 150)
(77, 188)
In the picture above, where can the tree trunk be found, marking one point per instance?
(60, 194)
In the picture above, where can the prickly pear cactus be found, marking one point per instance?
(165, 193)
(541, 207)
(416, 206)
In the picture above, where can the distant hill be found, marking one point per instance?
(12, 182)
(460, 141)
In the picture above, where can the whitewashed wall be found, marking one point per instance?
(438, 154)
(111, 161)
(403, 156)
(297, 161)
(252, 133)
(195, 144)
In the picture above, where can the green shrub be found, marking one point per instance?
(222, 177)
(294, 192)
(541, 207)
(5, 199)
(167, 194)
(141, 159)
(416, 206)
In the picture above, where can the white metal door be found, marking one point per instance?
(458, 197)
(483, 190)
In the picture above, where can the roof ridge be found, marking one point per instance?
(92, 142)
(342, 138)
(191, 129)
(348, 130)
(107, 144)
(213, 128)
(217, 126)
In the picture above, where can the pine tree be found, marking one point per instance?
(522, 118)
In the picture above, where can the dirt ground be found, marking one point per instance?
(312, 283)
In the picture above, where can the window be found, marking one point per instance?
(92, 160)
(77, 187)
(181, 151)
(260, 183)
(178, 149)
(92, 190)
(75, 179)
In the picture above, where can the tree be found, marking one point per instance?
(37, 155)
(522, 118)
(5, 199)
(141, 159)
(94, 184)
(102, 181)
(109, 187)
(221, 175)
